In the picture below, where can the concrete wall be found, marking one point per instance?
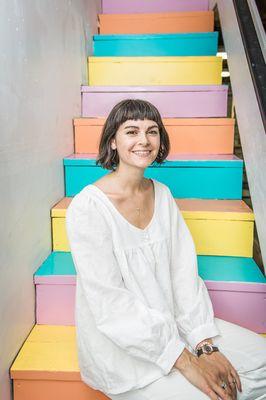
(43, 47)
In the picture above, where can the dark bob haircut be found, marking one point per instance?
(123, 111)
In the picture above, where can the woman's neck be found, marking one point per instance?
(130, 180)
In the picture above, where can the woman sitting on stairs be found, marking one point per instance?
(144, 319)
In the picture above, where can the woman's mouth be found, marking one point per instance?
(142, 153)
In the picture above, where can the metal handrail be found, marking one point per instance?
(258, 26)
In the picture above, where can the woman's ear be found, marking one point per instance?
(113, 144)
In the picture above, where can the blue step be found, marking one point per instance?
(211, 268)
(206, 177)
(177, 44)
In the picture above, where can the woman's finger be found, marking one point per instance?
(237, 379)
(232, 384)
(224, 394)
(213, 395)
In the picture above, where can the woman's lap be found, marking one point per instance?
(246, 351)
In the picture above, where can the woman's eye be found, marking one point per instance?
(131, 132)
(153, 132)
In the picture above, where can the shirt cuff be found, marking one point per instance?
(202, 332)
(173, 350)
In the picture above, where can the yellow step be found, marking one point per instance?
(47, 367)
(218, 227)
(203, 70)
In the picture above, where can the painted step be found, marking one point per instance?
(194, 135)
(204, 70)
(218, 227)
(187, 176)
(174, 44)
(198, 21)
(236, 286)
(172, 101)
(47, 367)
(154, 6)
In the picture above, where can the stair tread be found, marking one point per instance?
(190, 208)
(152, 36)
(99, 121)
(172, 14)
(153, 88)
(48, 349)
(213, 268)
(49, 352)
(175, 160)
(157, 59)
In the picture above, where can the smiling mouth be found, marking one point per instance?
(142, 153)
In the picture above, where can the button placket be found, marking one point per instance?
(146, 237)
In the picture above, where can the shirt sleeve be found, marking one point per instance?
(193, 308)
(141, 331)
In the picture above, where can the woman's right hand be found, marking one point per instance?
(205, 379)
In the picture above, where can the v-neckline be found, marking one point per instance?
(104, 195)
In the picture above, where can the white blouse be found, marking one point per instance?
(139, 299)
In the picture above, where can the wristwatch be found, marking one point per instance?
(206, 348)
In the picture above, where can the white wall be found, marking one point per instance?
(43, 50)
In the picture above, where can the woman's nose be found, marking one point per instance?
(143, 138)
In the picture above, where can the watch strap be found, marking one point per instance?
(200, 350)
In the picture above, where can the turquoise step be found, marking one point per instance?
(211, 268)
(236, 286)
(178, 44)
(188, 176)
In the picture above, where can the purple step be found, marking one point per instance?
(154, 6)
(208, 101)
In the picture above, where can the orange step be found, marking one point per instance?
(176, 22)
(187, 135)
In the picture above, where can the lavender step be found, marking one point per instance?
(236, 286)
(154, 6)
(208, 101)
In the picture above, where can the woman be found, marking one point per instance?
(144, 319)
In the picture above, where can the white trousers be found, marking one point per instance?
(245, 350)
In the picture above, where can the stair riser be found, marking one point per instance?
(202, 21)
(154, 70)
(211, 237)
(246, 309)
(184, 138)
(190, 182)
(192, 44)
(180, 102)
(56, 303)
(140, 6)
(55, 390)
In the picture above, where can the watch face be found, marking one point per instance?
(207, 348)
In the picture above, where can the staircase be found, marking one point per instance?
(144, 51)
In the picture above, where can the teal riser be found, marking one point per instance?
(184, 182)
(181, 44)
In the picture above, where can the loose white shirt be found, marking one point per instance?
(139, 299)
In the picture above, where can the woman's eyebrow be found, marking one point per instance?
(136, 127)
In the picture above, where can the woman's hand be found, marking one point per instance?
(223, 370)
(208, 372)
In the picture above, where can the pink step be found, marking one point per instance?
(154, 6)
(236, 286)
(172, 101)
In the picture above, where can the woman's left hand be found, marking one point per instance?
(223, 369)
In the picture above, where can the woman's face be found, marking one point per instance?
(137, 142)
